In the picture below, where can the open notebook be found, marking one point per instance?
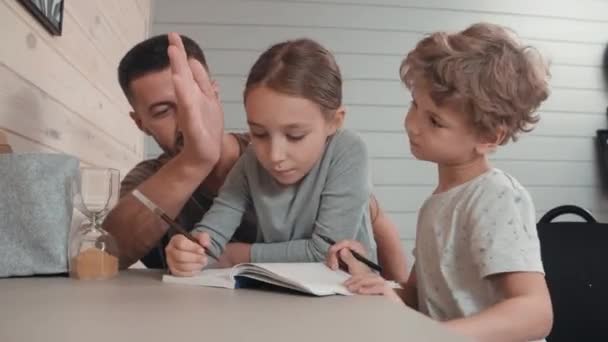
(312, 278)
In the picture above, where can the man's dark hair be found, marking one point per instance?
(151, 55)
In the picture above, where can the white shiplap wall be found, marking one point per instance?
(60, 93)
(370, 37)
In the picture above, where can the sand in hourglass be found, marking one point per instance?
(93, 263)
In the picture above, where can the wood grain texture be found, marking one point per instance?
(60, 94)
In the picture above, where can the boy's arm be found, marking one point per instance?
(409, 292)
(390, 251)
(504, 247)
(525, 313)
(364, 281)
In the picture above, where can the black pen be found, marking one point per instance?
(357, 256)
(172, 224)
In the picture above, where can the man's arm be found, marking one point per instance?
(390, 251)
(136, 229)
(201, 120)
(525, 313)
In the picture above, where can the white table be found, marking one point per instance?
(137, 306)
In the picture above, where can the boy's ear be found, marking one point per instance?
(485, 148)
(338, 119)
(137, 121)
(489, 144)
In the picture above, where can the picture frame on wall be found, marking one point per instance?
(48, 12)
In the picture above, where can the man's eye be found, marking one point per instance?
(161, 112)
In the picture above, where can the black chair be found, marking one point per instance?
(575, 257)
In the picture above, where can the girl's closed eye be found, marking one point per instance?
(295, 137)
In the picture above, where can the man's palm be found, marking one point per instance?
(199, 113)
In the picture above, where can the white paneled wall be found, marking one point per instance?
(556, 162)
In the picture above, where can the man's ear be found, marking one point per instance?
(135, 117)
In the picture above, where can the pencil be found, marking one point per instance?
(172, 224)
(357, 256)
(179, 230)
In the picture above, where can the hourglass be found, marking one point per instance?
(93, 252)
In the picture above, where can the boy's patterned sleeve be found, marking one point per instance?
(503, 235)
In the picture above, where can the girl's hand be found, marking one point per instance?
(341, 252)
(184, 257)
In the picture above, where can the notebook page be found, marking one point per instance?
(316, 277)
(212, 277)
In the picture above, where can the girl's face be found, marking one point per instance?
(288, 133)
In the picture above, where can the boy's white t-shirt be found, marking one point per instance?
(483, 227)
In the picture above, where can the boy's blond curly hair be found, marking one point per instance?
(486, 72)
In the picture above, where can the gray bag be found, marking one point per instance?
(35, 212)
